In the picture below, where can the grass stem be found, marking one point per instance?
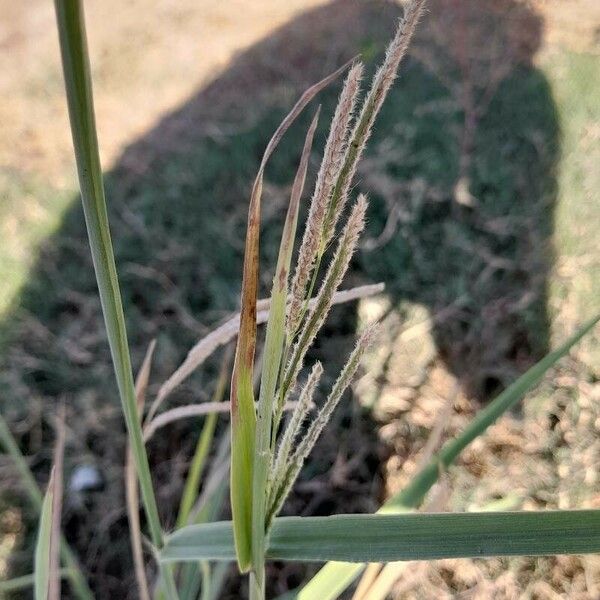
(76, 69)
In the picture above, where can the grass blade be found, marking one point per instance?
(273, 352)
(42, 547)
(54, 550)
(415, 492)
(334, 578)
(78, 84)
(78, 583)
(76, 69)
(402, 537)
(131, 485)
(243, 417)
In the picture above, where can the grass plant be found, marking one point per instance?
(267, 450)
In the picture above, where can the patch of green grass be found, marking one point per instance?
(30, 212)
(575, 81)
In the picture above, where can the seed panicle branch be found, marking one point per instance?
(382, 81)
(299, 414)
(333, 156)
(285, 474)
(333, 278)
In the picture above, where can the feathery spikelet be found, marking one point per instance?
(299, 414)
(333, 278)
(382, 81)
(339, 387)
(287, 474)
(335, 150)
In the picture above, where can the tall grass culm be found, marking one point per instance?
(267, 450)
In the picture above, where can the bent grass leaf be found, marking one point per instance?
(228, 331)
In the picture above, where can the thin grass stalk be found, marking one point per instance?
(192, 483)
(131, 482)
(207, 509)
(76, 70)
(206, 580)
(73, 569)
(57, 500)
(41, 562)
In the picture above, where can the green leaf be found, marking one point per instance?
(334, 578)
(272, 356)
(243, 417)
(42, 547)
(192, 483)
(78, 83)
(416, 536)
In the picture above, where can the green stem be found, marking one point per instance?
(257, 582)
(206, 587)
(76, 69)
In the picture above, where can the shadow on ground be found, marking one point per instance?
(460, 172)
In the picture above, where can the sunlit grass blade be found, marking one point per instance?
(334, 578)
(42, 546)
(401, 537)
(273, 351)
(385, 581)
(78, 583)
(414, 493)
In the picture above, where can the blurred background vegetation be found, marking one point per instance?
(483, 178)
